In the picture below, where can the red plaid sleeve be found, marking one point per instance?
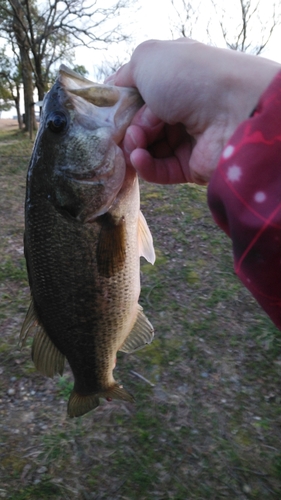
(244, 196)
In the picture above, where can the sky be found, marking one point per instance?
(153, 21)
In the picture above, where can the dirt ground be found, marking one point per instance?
(8, 123)
(206, 422)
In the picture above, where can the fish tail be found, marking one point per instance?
(79, 405)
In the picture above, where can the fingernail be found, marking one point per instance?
(148, 118)
(110, 79)
(129, 143)
(132, 160)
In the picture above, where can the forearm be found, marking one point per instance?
(245, 198)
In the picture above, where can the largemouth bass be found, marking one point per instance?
(84, 235)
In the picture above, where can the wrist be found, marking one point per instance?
(249, 77)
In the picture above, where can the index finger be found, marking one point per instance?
(122, 78)
(158, 170)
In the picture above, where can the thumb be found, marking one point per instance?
(206, 155)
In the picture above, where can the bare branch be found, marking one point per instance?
(45, 33)
(186, 17)
(250, 15)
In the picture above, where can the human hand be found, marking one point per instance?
(195, 97)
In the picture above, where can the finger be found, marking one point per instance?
(123, 77)
(146, 119)
(134, 138)
(144, 130)
(160, 171)
(140, 137)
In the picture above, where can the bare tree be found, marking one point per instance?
(245, 25)
(10, 80)
(184, 19)
(252, 25)
(5, 95)
(111, 64)
(46, 32)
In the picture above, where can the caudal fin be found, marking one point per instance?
(79, 405)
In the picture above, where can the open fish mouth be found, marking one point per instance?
(119, 103)
(83, 177)
(100, 95)
(93, 176)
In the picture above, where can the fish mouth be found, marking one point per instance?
(90, 179)
(99, 175)
(91, 176)
(108, 105)
(101, 95)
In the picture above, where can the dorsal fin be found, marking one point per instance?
(141, 334)
(29, 325)
(47, 358)
(146, 248)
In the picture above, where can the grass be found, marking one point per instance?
(206, 421)
(14, 271)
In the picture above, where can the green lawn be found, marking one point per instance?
(206, 423)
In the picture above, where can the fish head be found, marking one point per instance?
(79, 165)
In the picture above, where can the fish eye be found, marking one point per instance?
(57, 121)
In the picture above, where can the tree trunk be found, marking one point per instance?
(39, 80)
(18, 23)
(27, 90)
(17, 106)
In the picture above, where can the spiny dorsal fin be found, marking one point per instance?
(111, 249)
(146, 247)
(47, 358)
(141, 334)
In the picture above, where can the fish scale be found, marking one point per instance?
(79, 314)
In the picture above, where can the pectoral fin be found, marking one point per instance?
(47, 358)
(146, 248)
(141, 334)
(111, 249)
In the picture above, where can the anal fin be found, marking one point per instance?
(117, 392)
(141, 334)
